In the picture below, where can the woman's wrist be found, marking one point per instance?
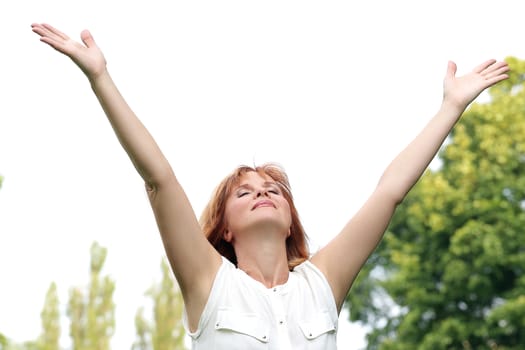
(452, 107)
(99, 78)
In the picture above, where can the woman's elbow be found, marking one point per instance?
(392, 193)
(160, 178)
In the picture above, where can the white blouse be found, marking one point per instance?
(241, 313)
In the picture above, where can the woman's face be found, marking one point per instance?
(257, 202)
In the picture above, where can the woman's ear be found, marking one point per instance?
(227, 236)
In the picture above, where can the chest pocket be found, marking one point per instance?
(321, 324)
(248, 324)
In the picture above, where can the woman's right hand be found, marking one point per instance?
(87, 56)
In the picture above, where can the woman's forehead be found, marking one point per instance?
(254, 177)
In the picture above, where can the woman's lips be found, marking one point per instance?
(264, 203)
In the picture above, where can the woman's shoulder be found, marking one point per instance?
(308, 268)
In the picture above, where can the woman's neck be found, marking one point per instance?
(264, 261)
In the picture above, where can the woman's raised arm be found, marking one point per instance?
(344, 256)
(193, 260)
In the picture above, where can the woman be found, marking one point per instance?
(256, 286)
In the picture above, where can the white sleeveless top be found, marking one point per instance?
(241, 313)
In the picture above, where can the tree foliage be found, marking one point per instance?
(50, 317)
(7, 344)
(4, 342)
(450, 272)
(92, 312)
(165, 331)
(49, 338)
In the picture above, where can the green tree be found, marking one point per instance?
(166, 331)
(8, 344)
(4, 342)
(50, 316)
(92, 313)
(450, 272)
(143, 329)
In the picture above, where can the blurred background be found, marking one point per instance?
(330, 90)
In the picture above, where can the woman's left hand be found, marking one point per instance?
(460, 91)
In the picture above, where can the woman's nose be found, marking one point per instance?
(261, 193)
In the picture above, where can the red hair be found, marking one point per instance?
(214, 224)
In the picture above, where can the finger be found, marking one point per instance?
(87, 38)
(35, 26)
(49, 33)
(495, 68)
(494, 80)
(481, 67)
(55, 31)
(38, 29)
(56, 44)
(54, 41)
(495, 73)
(498, 75)
(451, 69)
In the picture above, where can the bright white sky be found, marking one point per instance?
(332, 90)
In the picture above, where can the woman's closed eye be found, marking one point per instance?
(246, 190)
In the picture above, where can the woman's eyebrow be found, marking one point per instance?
(244, 186)
(265, 184)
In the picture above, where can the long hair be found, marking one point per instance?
(213, 221)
